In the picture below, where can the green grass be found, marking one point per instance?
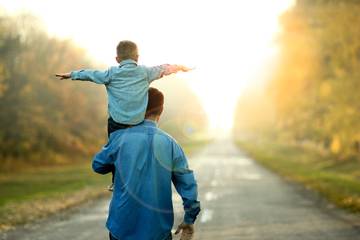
(46, 182)
(338, 181)
(34, 193)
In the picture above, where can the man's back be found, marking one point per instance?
(146, 161)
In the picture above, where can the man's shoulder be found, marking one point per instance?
(160, 132)
(144, 129)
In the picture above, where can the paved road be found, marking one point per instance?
(240, 200)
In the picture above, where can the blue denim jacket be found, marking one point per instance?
(147, 161)
(127, 87)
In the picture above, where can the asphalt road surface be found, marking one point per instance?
(240, 200)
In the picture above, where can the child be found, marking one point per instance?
(126, 85)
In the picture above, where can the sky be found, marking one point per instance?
(231, 43)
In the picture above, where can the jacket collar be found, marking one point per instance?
(148, 122)
(127, 61)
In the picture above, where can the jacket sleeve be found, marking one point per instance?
(99, 77)
(185, 184)
(160, 71)
(103, 161)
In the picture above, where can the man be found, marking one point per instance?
(146, 161)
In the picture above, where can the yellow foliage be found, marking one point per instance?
(2, 72)
(339, 72)
(315, 85)
(350, 110)
(325, 89)
(3, 76)
(298, 65)
(335, 145)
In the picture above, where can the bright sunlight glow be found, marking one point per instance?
(229, 42)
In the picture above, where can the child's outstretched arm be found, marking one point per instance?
(99, 77)
(157, 72)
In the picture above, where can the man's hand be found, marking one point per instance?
(63, 76)
(187, 231)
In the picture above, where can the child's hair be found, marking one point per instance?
(127, 50)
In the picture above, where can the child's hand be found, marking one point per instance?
(184, 68)
(63, 76)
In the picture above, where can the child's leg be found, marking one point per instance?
(113, 126)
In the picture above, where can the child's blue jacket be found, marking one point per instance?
(127, 87)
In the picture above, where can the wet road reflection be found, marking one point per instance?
(242, 200)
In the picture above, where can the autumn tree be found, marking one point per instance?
(316, 84)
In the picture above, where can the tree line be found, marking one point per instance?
(43, 120)
(312, 98)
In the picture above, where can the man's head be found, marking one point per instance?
(155, 104)
(126, 50)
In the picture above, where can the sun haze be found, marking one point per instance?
(229, 42)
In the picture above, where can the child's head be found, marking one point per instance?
(126, 50)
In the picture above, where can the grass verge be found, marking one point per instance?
(35, 193)
(338, 181)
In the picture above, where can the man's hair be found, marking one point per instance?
(127, 50)
(155, 103)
